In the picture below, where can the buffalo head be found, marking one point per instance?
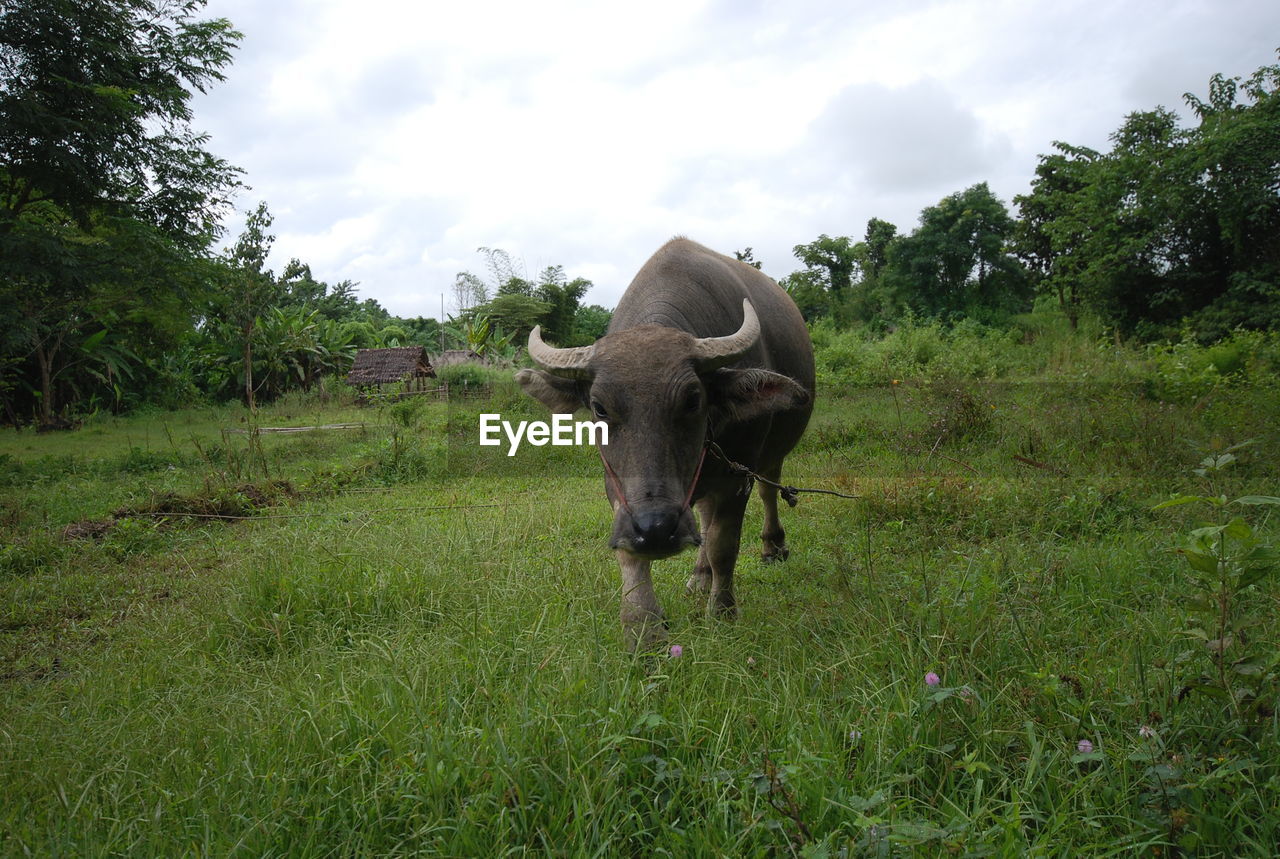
(663, 393)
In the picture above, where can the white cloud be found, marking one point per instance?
(392, 138)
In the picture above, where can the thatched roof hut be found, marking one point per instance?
(388, 366)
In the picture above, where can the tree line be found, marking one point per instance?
(115, 292)
(1173, 229)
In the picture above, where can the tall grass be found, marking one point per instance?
(424, 657)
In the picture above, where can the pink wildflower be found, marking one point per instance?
(932, 679)
(1084, 747)
(676, 651)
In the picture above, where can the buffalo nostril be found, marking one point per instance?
(656, 527)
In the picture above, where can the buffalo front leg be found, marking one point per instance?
(643, 625)
(700, 581)
(772, 538)
(724, 533)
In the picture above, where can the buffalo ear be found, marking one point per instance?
(562, 396)
(742, 395)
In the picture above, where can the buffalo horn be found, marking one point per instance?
(571, 363)
(713, 352)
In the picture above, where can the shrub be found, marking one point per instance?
(924, 351)
(471, 375)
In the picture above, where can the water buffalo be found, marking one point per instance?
(701, 349)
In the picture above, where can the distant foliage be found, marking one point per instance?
(1174, 229)
(1173, 224)
(916, 350)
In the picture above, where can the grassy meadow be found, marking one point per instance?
(381, 640)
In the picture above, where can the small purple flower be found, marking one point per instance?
(932, 679)
(676, 651)
(1146, 732)
(855, 736)
(1084, 747)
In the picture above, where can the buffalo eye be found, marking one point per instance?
(693, 401)
(599, 411)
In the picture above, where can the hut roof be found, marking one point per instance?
(384, 366)
(450, 357)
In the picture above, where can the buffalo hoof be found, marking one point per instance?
(773, 554)
(699, 582)
(645, 634)
(722, 607)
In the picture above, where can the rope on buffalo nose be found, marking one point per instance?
(790, 494)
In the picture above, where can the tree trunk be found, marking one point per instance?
(46, 353)
(1068, 306)
(248, 368)
(44, 359)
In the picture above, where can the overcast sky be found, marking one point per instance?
(392, 138)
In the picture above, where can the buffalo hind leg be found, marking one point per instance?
(643, 624)
(772, 537)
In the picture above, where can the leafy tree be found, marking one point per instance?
(831, 259)
(1053, 225)
(247, 289)
(95, 113)
(747, 257)
(424, 331)
(870, 300)
(69, 286)
(956, 260)
(590, 324)
(1237, 147)
(515, 314)
(562, 301)
(809, 291)
(874, 249)
(469, 291)
(517, 304)
(107, 196)
(1172, 223)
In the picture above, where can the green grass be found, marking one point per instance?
(417, 648)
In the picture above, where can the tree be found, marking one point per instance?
(956, 261)
(85, 306)
(808, 290)
(247, 289)
(871, 301)
(501, 267)
(1173, 225)
(747, 257)
(1237, 159)
(833, 259)
(875, 247)
(95, 112)
(107, 197)
(1052, 226)
(469, 291)
(515, 314)
(562, 301)
(590, 324)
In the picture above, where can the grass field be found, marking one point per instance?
(402, 645)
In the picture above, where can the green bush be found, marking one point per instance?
(471, 375)
(1186, 370)
(917, 350)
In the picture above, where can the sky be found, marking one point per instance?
(391, 139)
